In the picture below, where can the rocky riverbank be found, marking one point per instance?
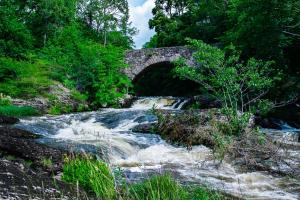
(269, 150)
(30, 170)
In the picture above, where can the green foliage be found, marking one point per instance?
(163, 187)
(175, 20)
(158, 187)
(15, 37)
(92, 175)
(47, 162)
(59, 108)
(5, 100)
(262, 28)
(17, 80)
(238, 85)
(60, 40)
(89, 67)
(18, 111)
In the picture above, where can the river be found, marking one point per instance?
(107, 133)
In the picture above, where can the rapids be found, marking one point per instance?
(107, 133)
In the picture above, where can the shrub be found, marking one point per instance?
(23, 79)
(18, 111)
(93, 175)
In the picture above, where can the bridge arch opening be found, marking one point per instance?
(158, 79)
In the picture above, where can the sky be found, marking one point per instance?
(140, 13)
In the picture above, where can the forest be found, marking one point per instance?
(73, 125)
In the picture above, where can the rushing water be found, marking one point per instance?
(107, 133)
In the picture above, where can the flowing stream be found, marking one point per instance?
(107, 133)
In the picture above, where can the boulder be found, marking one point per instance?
(8, 120)
(17, 181)
(144, 128)
(21, 144)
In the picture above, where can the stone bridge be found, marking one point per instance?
(142, 59)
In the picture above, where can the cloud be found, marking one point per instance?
(140, 13)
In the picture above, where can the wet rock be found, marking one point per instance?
(145, 128)
(8, 120)
(21, 144)
(127, 101)
(266, 122)
(203, 102)
(20, 182)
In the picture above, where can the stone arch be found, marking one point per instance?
(139, 60)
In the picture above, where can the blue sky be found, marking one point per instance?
(140, 13)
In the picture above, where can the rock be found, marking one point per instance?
(144, 128)
(8, 120)
(17, 181)
(266, 123)
(127, 101)
(204, 102)
(41, 104)
(62, 95)
(21, 144)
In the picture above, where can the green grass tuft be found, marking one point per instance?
(18, 111)
(158, 188)
(93, 175)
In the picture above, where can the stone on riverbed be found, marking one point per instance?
(17, 181)
(8, 120)
(21, 144)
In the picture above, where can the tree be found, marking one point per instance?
(240, 86)
(175, 20)
(262, 28)
(105, 17)
(15, 37)
(47, 17)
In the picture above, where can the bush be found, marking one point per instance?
(93, 175)
(23, 79)
(18, 111)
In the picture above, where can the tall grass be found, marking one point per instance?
(92, 175)
(96, 177)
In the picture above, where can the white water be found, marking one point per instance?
(108, 133)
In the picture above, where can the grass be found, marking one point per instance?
(92, 175)
(47, 162)
(164, 187)
(96, 177)
(18, 111)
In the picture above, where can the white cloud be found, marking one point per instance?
(140, 15)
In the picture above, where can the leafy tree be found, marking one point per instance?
(88, 66)
(47, 17)
(239, 85)
(262, 28)
(15, 37)
(108, 17)
(175, 20)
